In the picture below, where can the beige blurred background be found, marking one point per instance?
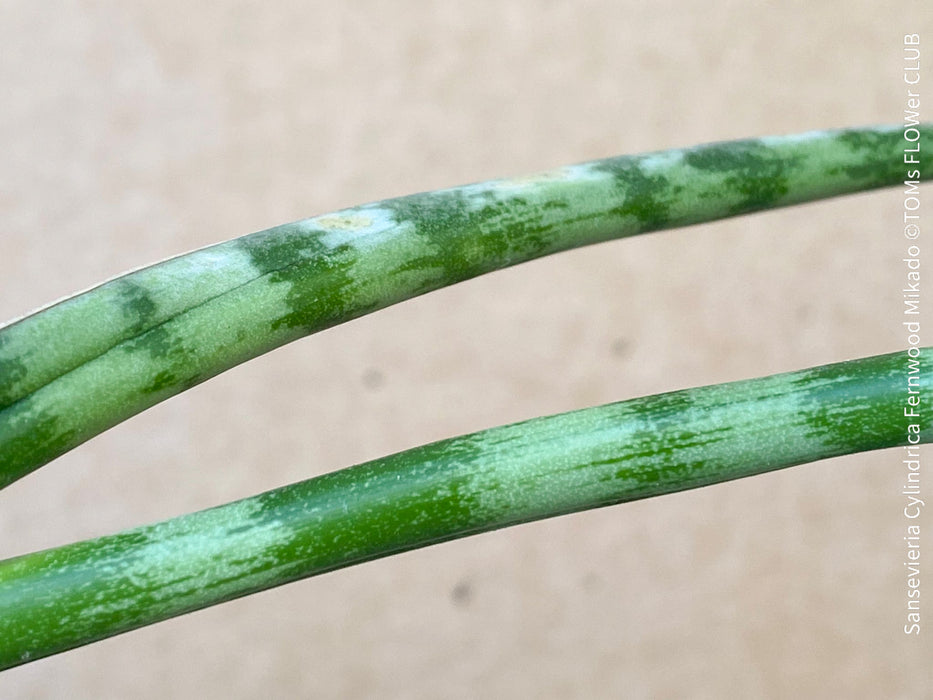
(135, 131)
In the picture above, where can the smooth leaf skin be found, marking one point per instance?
(74, 369)
(61, 598)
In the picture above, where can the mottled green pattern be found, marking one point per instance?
(57, 599)
(82, 365)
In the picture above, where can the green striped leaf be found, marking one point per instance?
(75, 369)
(61, 598)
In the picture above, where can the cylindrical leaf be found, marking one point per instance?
(76, 368)
(61, 598)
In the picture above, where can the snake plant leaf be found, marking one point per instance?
(74, 369)
(61, 598)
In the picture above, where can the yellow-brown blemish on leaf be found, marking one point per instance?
(344, 222)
